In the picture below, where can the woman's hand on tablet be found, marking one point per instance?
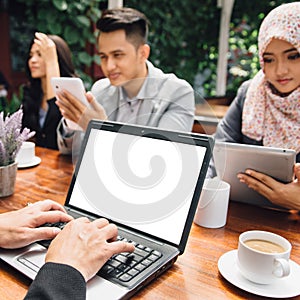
(282, 194)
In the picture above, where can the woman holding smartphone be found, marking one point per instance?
(49, 56)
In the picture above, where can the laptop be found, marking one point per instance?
(233, 158)
(145, 180)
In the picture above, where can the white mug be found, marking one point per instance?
(26, 153)
(213, 203)
(263, 257)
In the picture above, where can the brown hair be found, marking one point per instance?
(131, 20)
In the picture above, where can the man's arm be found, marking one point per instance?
(175, 102)
(180, 114)
(74, 257)
(73, 109)
(57, 282)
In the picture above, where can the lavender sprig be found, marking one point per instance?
(12, 136)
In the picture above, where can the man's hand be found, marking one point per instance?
(285, 195)
(21, 227)
(73, 109)
(86, 245)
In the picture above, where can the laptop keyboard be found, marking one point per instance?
(61, 225)
(124, 266)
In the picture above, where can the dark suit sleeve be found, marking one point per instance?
(59, 282)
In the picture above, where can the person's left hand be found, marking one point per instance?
(21, 227)
(285, 195)
(47, 48)
(86, 245)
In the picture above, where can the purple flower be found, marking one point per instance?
(12, 136)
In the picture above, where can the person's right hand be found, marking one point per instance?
(86, 245)
(73, 109)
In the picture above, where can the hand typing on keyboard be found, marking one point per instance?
(123, 267)
(87, 245)
(57, 226)
(22, 227)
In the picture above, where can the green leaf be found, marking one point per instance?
(85, 58)
(55, 28)
(60, 4)
(83, 20)
(71, 35)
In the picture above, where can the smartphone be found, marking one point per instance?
(75, 86)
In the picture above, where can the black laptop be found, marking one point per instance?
(145, 180)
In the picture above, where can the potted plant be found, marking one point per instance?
(11, 138)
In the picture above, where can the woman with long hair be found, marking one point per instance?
(49, 56)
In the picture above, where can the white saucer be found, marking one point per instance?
(283, 288)
(36, 160)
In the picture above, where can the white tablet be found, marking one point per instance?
(75, 86)
(232, 158)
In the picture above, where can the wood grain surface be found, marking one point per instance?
(195, 275)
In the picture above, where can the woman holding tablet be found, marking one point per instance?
(285, 195)
(49, 56)
(266, 110)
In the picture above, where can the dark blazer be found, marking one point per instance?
(45, 136)
(57, 282)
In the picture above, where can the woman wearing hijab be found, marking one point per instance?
(49, 56)
(266, 110)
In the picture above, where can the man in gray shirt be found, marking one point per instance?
(134, 91)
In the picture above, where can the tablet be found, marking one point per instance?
(75, 86)
(232, 158)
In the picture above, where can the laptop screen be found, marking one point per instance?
(142, 182)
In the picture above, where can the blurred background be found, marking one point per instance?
(185, 38)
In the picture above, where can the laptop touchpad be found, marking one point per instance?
(34, 258)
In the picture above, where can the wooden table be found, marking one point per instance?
(207, 117)
(195, 274)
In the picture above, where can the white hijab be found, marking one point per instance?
(266, 116)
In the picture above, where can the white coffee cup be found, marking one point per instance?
(26, 153)
(213, 203)
(263, 257)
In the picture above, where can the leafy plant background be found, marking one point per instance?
(183, 35)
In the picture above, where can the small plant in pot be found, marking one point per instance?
(11, 138)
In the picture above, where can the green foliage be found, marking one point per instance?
(183, 35)
(12, 105)
(184, 39)
(72, 20)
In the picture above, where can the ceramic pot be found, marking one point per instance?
(8, 176)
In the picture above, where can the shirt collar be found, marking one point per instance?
(141, 94)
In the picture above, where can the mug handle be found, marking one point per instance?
(282, 267)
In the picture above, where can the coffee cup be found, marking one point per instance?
(213, 203)
(263, 257)
(26, 153)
